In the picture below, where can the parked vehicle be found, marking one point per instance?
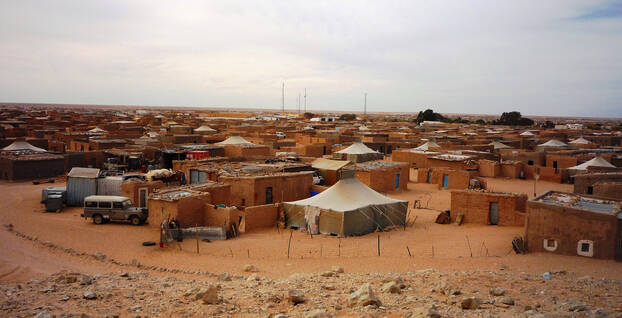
(105, 208)
(280, 134)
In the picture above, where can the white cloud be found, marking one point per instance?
(455, 56)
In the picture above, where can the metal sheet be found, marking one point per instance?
(109, 186)
(80, 188)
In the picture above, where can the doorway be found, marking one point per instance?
(397, 180)
(493, 213)
(269, 195)
(445, 181)
(142, 197)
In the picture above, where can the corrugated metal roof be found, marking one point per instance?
(328, 164)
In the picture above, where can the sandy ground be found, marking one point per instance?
(442, 247)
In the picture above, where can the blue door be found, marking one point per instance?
(397, 180)
(445, 181)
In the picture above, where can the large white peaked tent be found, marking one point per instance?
(428, 146)
(596, 162)
(357, 152)
(235, 140)
(22, 146)
(553, 143)
(580, 141)
(347, 208)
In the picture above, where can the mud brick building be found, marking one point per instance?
(28, 166)
(446, 178)
(255, 190)
(490, 208)
(605, 184)
(185, 206)
(416, 158)
(572, 224)
(383, 176)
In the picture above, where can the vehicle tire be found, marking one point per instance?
(135, 220)
(98, 219)
(149, 243)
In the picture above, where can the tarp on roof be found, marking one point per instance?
(499, 145)
(363, 127)
(328, 164)
(581, 141)
(22, 145)
(596, 162)
(357, 148)
(428, 146)
(347, 208)
(235, 140)
(78, 172)
(553, 143)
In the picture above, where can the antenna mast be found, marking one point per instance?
(283, 99)
(365, 106)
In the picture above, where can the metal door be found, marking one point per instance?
(142, 197)
(618, 252)
(194, 176)
(445, 181)
(268, 195)
(494, 213)
(397, 180)
(429, 176)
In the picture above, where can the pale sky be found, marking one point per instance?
(553, 57)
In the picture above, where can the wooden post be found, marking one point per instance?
(378, 244)
(339, 247)
(409, 255)
(432, 250)
(469, 244)
(231, 252)
(277, 227)
(196, 232)
(248, 253)
(289, 243)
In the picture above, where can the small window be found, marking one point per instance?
(530, 162)
(585, 248)
(555, 164)
(550, 245)
(590, 190)
(104, 205)
(117, 205)
(90, 204)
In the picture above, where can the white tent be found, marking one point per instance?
(235, 140)
(205, 128)
(21, 146)
(357, 148)
(527, 133)
(580, 141)
(97, 130)
(596, 162)
(553, 143)
(363, 127)
(427, 146)
(496, 145)
(347, 208)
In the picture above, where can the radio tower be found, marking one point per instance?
(365, 107)
(283, 99)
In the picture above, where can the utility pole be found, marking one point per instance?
(365, 107)
(283, 99)
(305, 100)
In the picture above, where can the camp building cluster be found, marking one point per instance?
(245, 171)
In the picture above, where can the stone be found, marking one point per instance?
(99, 256)
(89, 295)
(364, 296)
(296, 296)
(67, 279)
(577, 307)
(224, 277)
(328, 274)
(280, 316)
(317, 313)
(599, 313)
(125, 274)
(209, 296)
(497, 291)
(448, 290)
(507, 301)
(337, 269)
(390, 287)
(249, 268)
(253, 277)
(470, 303)
(44, 314)
(86, 280)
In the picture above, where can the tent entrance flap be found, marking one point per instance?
(312, 217)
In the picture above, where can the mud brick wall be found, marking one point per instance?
(611, 190)
(475, 207)
(583, 181)
(563, 162)
(489, 168)
(567, 226)
(261, 216)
